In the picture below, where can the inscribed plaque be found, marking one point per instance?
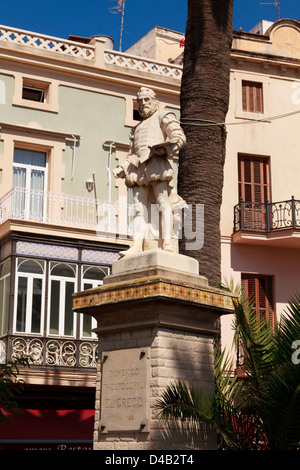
(125, 390)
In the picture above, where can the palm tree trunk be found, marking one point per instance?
(204, 102)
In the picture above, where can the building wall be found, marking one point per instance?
(268, 60)
(93, 101)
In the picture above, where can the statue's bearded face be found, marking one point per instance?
(147, 105)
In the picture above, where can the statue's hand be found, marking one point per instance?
(175, 143)
(159, 151)
(118, 172)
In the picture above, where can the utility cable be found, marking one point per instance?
(206, 122)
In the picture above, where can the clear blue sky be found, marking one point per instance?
(61, 18)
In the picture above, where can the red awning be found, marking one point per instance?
(34, 428)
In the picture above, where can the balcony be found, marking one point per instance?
(69, 211)
(271, 223)
(50, 352)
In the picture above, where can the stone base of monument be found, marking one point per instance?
(157, 321)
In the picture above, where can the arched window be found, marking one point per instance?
(92, 277)
(61, 287)
(29, 298)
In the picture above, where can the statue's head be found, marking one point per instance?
(147, 102)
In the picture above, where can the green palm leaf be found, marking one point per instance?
(261, 410)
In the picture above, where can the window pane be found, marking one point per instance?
(69, 314)
(4, 305)
(94, 273)
(29, 157)
(19, 181)
(62, 270)
(87, 319)
(5, 268)
(19, 177)
(21, 306)
(36, 306)
(86, 325)
(54, 307)
(37, 197)
(1, 306)
(30, 266)
(33, 94)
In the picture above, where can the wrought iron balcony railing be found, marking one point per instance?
(66, 210)
(51, 352)
(268, 216)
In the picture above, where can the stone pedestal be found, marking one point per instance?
(157, 321)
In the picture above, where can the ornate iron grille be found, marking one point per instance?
(269, 216)
(53, 352)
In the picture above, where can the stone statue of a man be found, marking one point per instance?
(148, 170)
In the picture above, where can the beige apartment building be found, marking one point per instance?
(66, 110)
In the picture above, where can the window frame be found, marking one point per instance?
(269, 310)
(29, 169)
(95, 283)
(258, 95)
(32, 88)
(236, 91)
(4, 302)
(50, 87)
(28, 313)
(62, 300)
(242, 183)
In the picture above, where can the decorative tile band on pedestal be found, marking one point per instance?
(111, 294)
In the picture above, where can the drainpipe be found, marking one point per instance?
(109, 171)
(73, 157)
(96, 200)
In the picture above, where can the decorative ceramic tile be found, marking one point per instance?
(159, 288)
(98, 256)
(49, 251)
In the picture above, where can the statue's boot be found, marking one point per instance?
(166, 224)
(139, 231)
(168, 246)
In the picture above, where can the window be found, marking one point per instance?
(260, 288)
(62, 286)
(29, 298)
(35, 91)
(33, 94)
(29, 179)
(254, 190)
(252, 97)
(136, 115)
(4, 296)
(254, 179)
(92, 277)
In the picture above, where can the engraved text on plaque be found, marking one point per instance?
(125, 394)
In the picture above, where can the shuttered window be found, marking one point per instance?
(254, 179)
(260, 289)
(252, 97)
